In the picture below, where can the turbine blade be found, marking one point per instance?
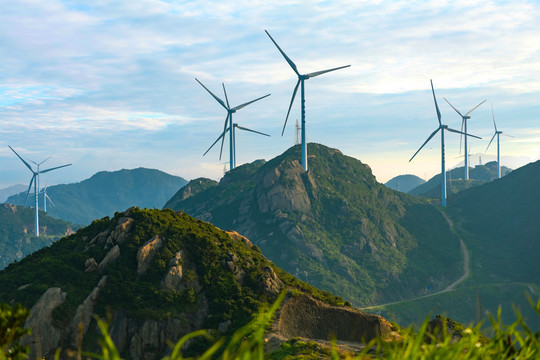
(462, 133)
(507, 135)
(436, 106)
(214, 96)
(25, 163)
(453, 107)
(425, 142)
(223, 138)
(249, 102)
(220, 136)
(460, 136)
(29, 187)
(293, 65)
(290, 106)
(493, 115)
(226, 98)
(43, 160)
(317, 73)
(47, 196)
(474, 108)
(491, 140)
(246, 129)
(54, 168)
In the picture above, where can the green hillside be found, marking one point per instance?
(335, 226)
(159, 275)
(478, 175)
(107, 192)
(17, 228)
(498, 222)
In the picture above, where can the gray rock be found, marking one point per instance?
(90, 265)
(146, 254)
(83, 314)
(45, 337)
(112, 255)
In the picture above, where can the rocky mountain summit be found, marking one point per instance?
(334, 226)
(159, 275)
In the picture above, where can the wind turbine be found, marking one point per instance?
(35, 179)
(464, 119)
(301, 79)
(497, 133)
(228, 121)
(45, 198)
(236, 126)
(441, 128)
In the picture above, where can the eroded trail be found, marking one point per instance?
(465, 254)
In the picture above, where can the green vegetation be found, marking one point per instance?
(17, 227)
(441, 339)
(335, 227)
(107, 192)
(12, 329)
(232, 295)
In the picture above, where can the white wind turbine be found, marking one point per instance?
(464, 119)
(35, 180)
(441, 128)
(497, 133)
(301, 79)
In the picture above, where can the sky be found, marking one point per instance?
(108, 85)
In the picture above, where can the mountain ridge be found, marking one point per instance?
(107, 191)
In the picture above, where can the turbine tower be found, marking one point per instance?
(497, 133)
(464, 119)
(35, 179)
(301, 79)
(228, 121)
(441, 128)
(45, 198)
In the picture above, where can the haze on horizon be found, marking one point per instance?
(110, 85)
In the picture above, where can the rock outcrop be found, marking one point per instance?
(112, 255)
(44, 335)
(146, 254)
(303, 316)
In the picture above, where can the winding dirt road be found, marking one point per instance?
(465, 254)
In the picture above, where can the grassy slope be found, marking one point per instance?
(499, 223)
(359, 239)
(62, 265)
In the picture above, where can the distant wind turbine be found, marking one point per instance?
(441, 128)
(464, 119)
(45, 198)
(301, 79)
(228, 121)
(35, 179)
(497, 133)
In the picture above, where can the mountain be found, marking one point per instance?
(498, 222)
(455, 183)
(334, 226)
(107, 192)
(16, 229)
(404, 183)
(159, 275)
(11, 190)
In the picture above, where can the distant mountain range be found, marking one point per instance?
(335, 226)
(455, 183)
(404, 183)
(16, 232)
(11, 190)
(107, 192)
(158, 275)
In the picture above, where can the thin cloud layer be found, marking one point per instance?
(77, 76)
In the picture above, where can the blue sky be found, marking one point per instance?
(107, 85)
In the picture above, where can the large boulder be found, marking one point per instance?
(44, 337)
